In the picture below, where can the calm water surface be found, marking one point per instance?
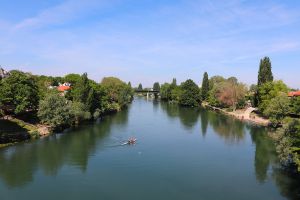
(181, 154)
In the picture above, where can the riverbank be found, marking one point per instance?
(18, 130)
(242, 114)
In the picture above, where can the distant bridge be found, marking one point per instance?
(148, 92)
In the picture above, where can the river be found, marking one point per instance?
(181, 153)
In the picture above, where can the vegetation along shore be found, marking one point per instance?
(39, 105)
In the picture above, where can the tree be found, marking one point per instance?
(190, 95)
(230, 92)
(74, 79)
(205, 86)
(265, 71)
(287, 141)
(174, 82)
(140, 87)
(117, 91)
(19, 93)
(55, 110)
(165, 91)
(79, 113)
(277, 109)
(270, 90)
(264, 76)
(295, 105)
(129, 84)
(156, 86)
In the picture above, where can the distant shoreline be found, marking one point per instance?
(241, 115)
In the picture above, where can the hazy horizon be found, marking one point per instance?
(148, 41)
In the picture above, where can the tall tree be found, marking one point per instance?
(156, 86)
(174, 82)
(265, 71)
(82, 89)
(205, 86)
(140, 87)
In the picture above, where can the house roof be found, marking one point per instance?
(63, 88)
(294, 93)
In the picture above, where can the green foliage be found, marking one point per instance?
(277, 109)
(264, 76)
(156, 86)
(19, 92)
(175, 93)
(174, 82)
(268, 91)
(165, 91)
(79, 113)
(140, 87)
(117, 91)
(190, 94)
(265, 71)
(55, 110)
(205, 87)
(295, 105)
(74, 79)
(287, 141)
(97, 113)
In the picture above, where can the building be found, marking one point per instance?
(64, 88)
(294, 94)
(3, 73)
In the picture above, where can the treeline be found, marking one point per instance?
(268, 95)
(23, 93)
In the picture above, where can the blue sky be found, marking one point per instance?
(150, 40)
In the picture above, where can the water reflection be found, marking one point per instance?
(19, 163)
(228, 128)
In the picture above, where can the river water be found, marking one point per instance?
(181, 153)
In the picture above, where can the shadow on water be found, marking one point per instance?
(187, 116)
(11, 132)
(19, 163)
(233, 131)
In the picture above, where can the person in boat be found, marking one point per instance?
(131, 140)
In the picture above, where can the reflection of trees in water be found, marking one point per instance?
(265, 153)
(155, 103)
(227, 127)
(172, 110)
(187, 116)
(19, 163)
(204, 121)
(287, 182)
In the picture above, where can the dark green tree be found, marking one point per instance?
(19, 92)
(205, 86)
(265, 71)
(140, 87)
(264, 76)
(156, 86)
(174, 82)
(190, 95)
